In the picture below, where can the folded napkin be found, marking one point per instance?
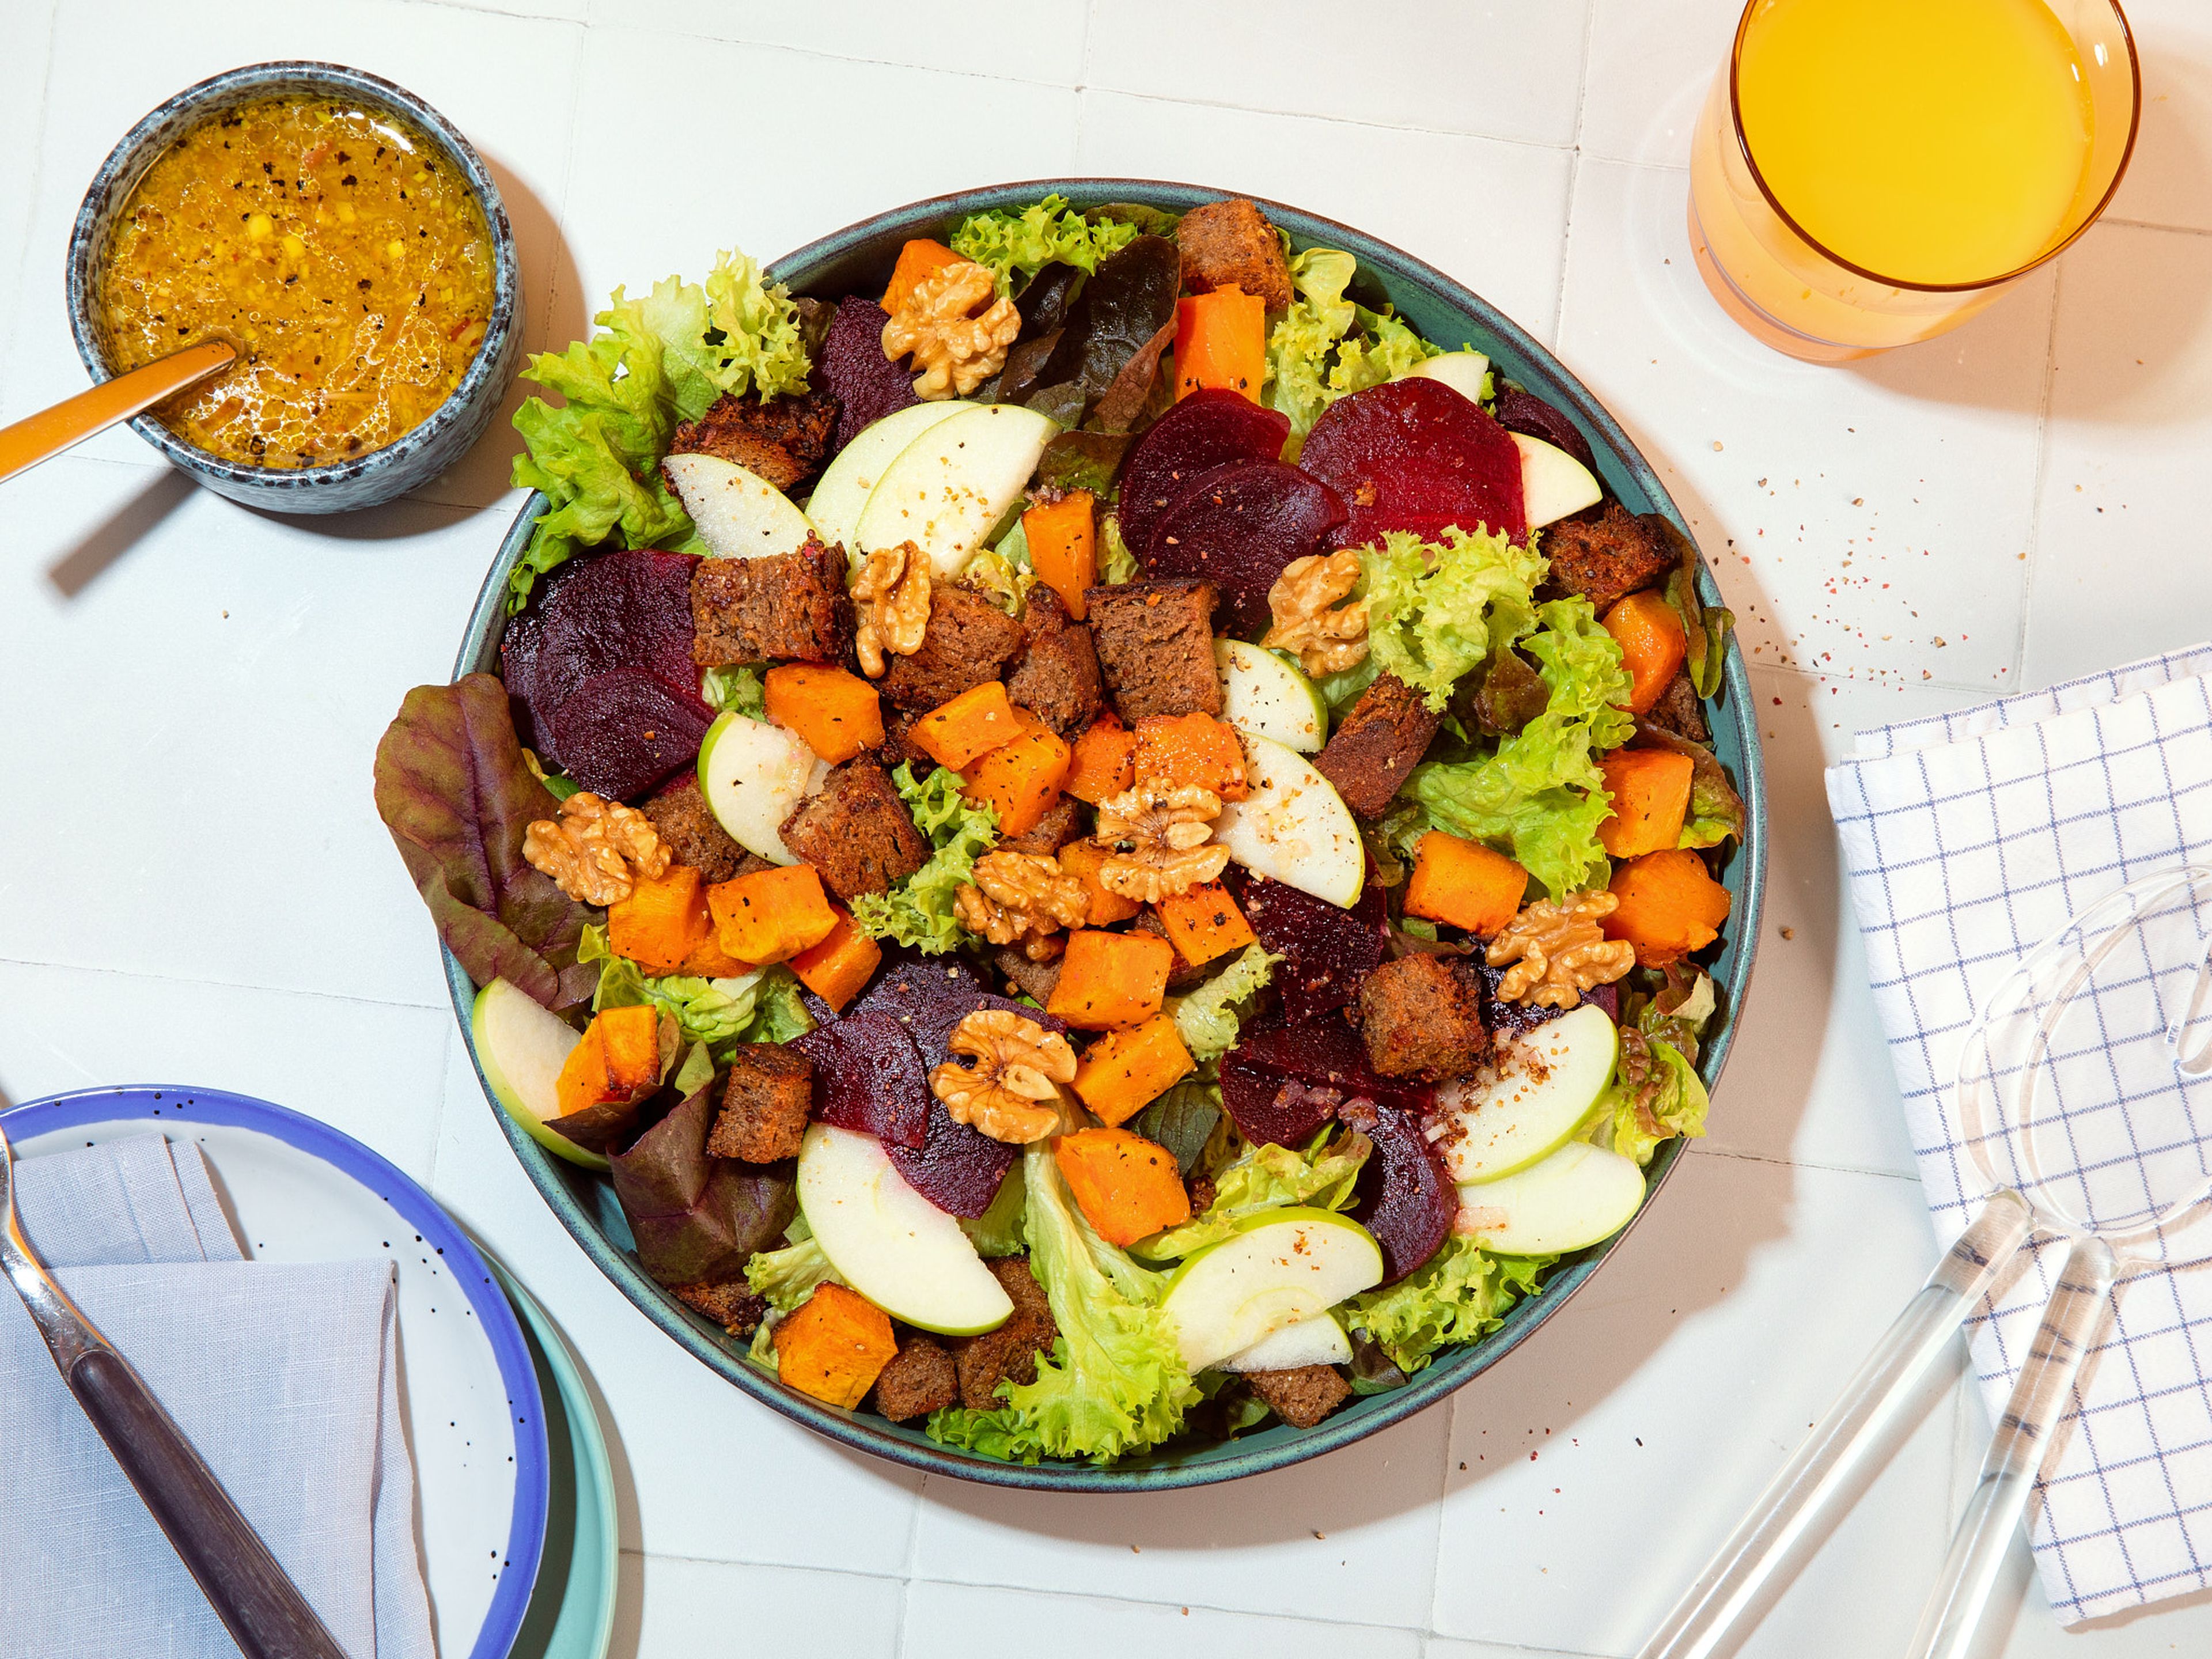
(1968, 840)
(285, 1378)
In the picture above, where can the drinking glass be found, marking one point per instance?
(1786, 289)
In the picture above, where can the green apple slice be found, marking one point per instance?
(1576, 1196)
(1293, 827)
(949, 488)
(846, 483)
(891, 1243)
(752, 775)
(1543, 1087)
(739, 515)
(1267, 694)
(1316, 1341)
(1553, 484)
(1462, 371)
(1279, 1267)
(522, 1046)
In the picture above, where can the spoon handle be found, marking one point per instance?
(39, 437)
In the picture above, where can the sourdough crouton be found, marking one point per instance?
(1680, 710)
(1301, 1397)
(1155, 645)
(791, 607)
(693, 835)
(1024, 977)
(1606, 558)
(921, 1377)
(856, 832)
(1377, 743)
(1056, 678)
(1008, 1353)
(1231, 244)
(764, 1104)
(969, 640)
(1421, 1017)
(1062, 822)
(732, 1306)
(782, 440)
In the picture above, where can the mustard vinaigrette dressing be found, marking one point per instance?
(334, 246)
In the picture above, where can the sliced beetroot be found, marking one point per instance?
(869, 1076)
(1415, 454)
(1406, 1196)
(957, 1169)
(1238, 528)
(1271, 1109)
(607, 611)
(1326, 1054)
(853, 367)
(1209, 429)
(1527, 413)
(622, 731)
(1327, 950)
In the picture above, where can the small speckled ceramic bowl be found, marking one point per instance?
(378, 475)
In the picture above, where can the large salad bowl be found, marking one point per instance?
(860, 256)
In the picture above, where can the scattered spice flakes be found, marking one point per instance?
(1790, 933)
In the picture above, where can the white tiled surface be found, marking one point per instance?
(195, 884)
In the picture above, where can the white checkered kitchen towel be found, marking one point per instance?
(1969, 839)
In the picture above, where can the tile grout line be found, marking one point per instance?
(1581, 84)
(220, 984)
(45, 113)
(2036, 478)
(1333, 120)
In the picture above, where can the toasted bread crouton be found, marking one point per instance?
(782, 439)
(856, 832)
(1010, 1352)
(680, 813)
(968, 641)
(1303, 1396)
(1056, 678)
(921, 1377)
(789, 607)
(1380, 740)
(732, 1306)
(1422, 1017)
(1606, 558)
(1231, 244)
(1155, 645)
(764, 1104)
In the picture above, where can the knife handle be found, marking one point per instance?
(259, 1604)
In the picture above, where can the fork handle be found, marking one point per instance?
(1792, 1513)
(2017, 1452)
(259, 1604)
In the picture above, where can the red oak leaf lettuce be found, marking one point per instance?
(454, 790)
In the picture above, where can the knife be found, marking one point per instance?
(260, 1606)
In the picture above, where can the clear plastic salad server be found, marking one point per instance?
(2085, 1100)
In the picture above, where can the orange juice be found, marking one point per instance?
(1932, 141)
(1870, 173)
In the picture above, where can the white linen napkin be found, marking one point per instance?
(285, 1377)
(1968, 839)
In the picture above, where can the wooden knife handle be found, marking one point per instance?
(262, 1608)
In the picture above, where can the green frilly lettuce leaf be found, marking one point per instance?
(1206, 1019)
(1043, 234)
(1267, 1177)
(1436, 610)
(919, 911)
(1328, 346)
(1460, 1293)
(1116, 1383)
(1656, 1095)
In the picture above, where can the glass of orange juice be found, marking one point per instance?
(1870, 173)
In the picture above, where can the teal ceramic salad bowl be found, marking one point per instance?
(859, 258)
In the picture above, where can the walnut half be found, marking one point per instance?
(892, 594)
(1012, 1091)
(1558, 952)
(1157, 842)
(957, 352)
(1022, 898)
(596, 850)
(1314, 616)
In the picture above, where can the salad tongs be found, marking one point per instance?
(260, 1606)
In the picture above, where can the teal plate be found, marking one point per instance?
(572, 1606)
(859, 259)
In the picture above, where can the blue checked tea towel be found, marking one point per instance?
(284, 1376)
(1969, 839)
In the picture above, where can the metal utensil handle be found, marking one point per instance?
(259, 1604)
(2017, 1452)
(1789, 1514)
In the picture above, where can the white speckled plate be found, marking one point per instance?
(298, 1190)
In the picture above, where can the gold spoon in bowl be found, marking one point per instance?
(38, 437)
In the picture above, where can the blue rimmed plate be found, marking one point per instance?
(298, 1190)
